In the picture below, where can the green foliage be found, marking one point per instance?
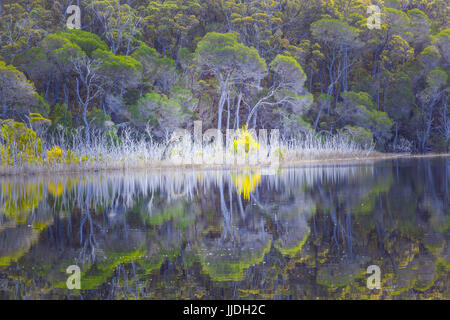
(358, 110)
(86, 41)
(61, 116)
(223, 54)
(17, 92)
(437, 78)
(114, 65)
(358, 98)
(98, 118)
(334, 32)
(112, 139)
(380, 124)
(359, 135)
(162, 113)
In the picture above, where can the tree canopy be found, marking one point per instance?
(291, 65)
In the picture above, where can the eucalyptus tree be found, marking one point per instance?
(286, 91)
(359, 109)
(157, 72)
(400, 103)
(394, 23)
(120, 24)
(15, 91)
(339, 39)
(442, 43)
(435, 91)
(258, 24)
(169, 25)
(23, 25)
(419, 29)
(163, 114)
(118, 73)
(221, 55)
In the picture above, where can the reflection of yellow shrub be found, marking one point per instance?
(55, 189)
(17, 202)
(246, 182)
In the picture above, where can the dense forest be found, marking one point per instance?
(299, 66)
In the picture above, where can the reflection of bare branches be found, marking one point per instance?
(226, 216)
(120, 283)
(88, 243)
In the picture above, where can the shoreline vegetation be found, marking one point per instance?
(114, 91)
(23, 153)
(152, 167)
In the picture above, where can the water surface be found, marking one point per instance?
(308, 232)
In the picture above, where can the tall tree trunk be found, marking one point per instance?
(223, 96)
(316, 123)
(4, 105)
(85, 106)
(238, 106)
(86, 123)
(66, 95)
(57, 89)
(47, 87)
(345, 77)
(396, 133)
(228, 112)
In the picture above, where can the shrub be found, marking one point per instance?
(55, 155)
(20, 145)
(359, 135)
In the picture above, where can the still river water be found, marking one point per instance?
(308, 232)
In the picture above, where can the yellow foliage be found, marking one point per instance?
(20, 145)
(55, 189)
(245, 141)
(19, 200)
(246, 182)
(71, 158)
(55, 155)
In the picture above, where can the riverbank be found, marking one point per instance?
(143, 165)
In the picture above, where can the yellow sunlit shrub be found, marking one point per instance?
(71, 158)
(55, 155)
(19, 144)
(84, 159)
(245, 141)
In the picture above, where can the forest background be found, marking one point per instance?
(303, 67)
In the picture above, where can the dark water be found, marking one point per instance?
(306, 233)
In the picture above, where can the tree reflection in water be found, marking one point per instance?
(306, 232)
